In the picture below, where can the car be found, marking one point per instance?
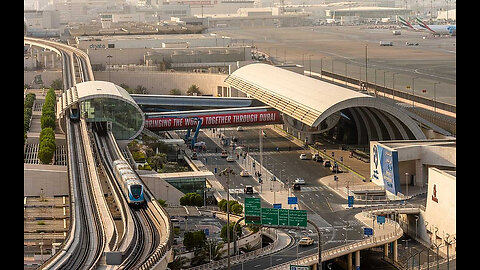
(239, 128)
(303, 157)
(200, 144)
(296, 187)
(248, 190)
(194, 156)
(224, 154)
(411, 43)
(305, 241)
(317, 158)
(230, 159)
(327, 163)
(299, 181)
(244, 173)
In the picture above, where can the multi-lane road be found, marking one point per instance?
(324, 207)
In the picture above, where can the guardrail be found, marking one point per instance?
(346, 248)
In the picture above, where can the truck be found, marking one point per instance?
(386, 43)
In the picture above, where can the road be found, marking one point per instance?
(324, 207)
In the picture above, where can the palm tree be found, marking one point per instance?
(216, 249)
(178, 263)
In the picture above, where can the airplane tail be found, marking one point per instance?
(423, 25)
(404, 22)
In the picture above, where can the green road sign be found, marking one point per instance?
(297, 218)
(253, 211)
(283, 217)
(270, 216)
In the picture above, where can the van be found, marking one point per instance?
(386, 43)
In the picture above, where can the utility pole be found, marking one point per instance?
(366, 60)
(226, 172)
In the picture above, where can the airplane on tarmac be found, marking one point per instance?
(438, 29)
(433, 29)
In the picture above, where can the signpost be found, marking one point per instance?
(350, 201)
(380, 219)
(283, 217)
(292, 200)
(269, 216)
(297, 218)
(253, 211)
(277, 205)
(367, 231)
(254, 214)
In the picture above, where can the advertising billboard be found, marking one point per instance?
(385, 168)
(213, 120)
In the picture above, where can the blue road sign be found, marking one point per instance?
(207, 231)
(350, 201)
(277, 205)
(367, 231)
(215, 170)
(292, 200)
(380, 219)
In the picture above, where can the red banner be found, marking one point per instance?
(233, 119)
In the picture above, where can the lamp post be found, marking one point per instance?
(109, 57)
(227, 172)
(435, 96)
(413, 89)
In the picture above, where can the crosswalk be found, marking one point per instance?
(307, 188)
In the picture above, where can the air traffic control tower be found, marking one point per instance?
(101, 101)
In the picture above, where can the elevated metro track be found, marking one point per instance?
(91, 236)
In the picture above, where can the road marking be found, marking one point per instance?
(257, 265)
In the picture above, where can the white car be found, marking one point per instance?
(299, 181)
(230, 159)
(239, 128)
(303, 156)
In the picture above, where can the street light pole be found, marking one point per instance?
(226, 172)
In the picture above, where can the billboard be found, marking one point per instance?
(385, 168)
(213, 120)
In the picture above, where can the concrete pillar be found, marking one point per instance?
(395, 251)
(357, 260)
(418, 173)
(53, 60)
(349, 261)
(385, 250)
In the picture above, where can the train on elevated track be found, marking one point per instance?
(132, 187)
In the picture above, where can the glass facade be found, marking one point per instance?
(126, 119)
(189, 184)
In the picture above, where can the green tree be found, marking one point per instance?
(45, 152)
(57, 84)
(193, 240)
(193, 89)
(223, 233)
(178, 263)
(175, 92)
(191, 199)
(157, 161)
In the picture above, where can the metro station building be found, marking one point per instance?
(104, 102)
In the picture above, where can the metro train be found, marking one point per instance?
(132, 186)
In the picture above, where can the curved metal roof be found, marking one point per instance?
(91, 90)
(307, 99)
